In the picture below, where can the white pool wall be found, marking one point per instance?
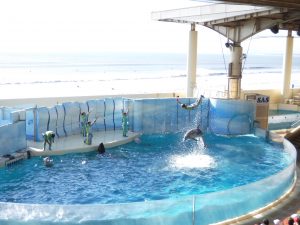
(12, 130)
(146, 116)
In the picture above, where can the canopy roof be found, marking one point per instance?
(291, 4)
(227, 15)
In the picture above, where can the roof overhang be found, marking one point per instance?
(213, 14)
(290, 4)
(234, 21)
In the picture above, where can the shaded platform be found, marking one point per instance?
(75, 143)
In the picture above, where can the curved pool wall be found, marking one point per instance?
(219, 116)
(147, 116)
(64, 118)
(154, 116)
(227, 204)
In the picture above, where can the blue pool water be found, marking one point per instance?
(160, 167)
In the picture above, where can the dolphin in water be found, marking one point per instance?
(48, 162)
(193, 134)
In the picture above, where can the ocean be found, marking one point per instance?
(77, 74)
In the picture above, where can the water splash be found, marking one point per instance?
(192, 160)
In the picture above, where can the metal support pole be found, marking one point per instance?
(235, 71)
(192, 62)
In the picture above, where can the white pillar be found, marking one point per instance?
(235, 71)
(192, 62)
(287, 66)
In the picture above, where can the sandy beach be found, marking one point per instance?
(109, 87)
(209, 85)
(36, 76)
(92, 88)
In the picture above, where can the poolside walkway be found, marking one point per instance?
(75, 143)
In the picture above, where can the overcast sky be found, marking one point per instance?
(67, 26)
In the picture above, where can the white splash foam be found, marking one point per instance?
(192, 160)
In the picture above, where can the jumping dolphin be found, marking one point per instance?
(193, 134)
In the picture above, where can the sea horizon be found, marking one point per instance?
(118, 73)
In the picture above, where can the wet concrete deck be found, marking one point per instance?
(75, 143)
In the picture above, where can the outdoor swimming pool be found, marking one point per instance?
(120, 187)
(282, 119)
(279, 112)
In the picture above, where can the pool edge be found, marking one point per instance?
(267, 211)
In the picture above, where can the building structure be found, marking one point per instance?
(237, 20)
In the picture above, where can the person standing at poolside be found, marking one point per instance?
(191, 106)
(125, 122)
(48, 138)
(83, 122)
(88, 130)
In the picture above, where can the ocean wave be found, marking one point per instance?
(257, 67)
(218, 73)
(87, 80)
(101, 67)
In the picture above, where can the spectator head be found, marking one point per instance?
(266, 222)
(291, 221)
